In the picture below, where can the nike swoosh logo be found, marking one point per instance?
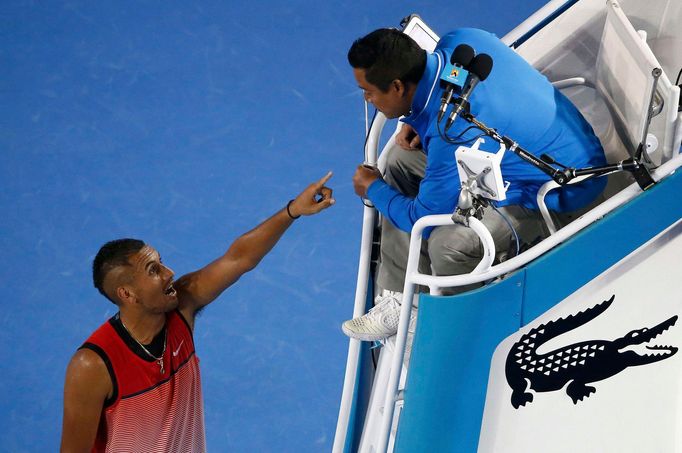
(177, 351)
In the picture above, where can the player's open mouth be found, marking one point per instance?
(170, 291)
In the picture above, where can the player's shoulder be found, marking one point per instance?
(87, 381)
(87, 369)
(86, 360)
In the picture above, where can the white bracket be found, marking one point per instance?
(480, 171)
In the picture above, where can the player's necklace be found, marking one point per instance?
(159, 360)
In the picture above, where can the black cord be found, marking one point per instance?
(364, 148)
(677, 82)
(470, 140)
(373, 351)
(369, 129)
(454, 141)
(511, 227)
(368, 204)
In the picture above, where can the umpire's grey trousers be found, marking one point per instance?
(450, 250)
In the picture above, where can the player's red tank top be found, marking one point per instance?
(150, 411)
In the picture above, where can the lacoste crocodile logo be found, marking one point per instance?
(579, 363)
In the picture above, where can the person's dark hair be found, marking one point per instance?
(111, 255)
(387, 54)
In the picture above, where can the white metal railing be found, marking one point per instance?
(533, 20)
(359, 307)
(542, 193)
(406, 306)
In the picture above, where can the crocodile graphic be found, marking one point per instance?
(579, 363)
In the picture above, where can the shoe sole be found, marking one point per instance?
(363, 336)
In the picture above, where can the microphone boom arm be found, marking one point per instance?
(564, 175)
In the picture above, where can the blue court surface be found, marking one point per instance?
(185, 124)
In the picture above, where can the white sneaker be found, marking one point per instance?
(380, 322)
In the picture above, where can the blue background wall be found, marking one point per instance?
(185, 124)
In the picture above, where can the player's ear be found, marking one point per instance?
(125, 294)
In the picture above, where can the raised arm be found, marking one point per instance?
(198, 289)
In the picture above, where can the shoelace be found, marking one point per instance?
(381, 305)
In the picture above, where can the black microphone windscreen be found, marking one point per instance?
(481, 66)
(462, 55)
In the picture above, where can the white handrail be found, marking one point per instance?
(406, 306)
(359, 306)
(369, 215)
(372, 146)
(532, 21)
(542, 193)
(563, 234)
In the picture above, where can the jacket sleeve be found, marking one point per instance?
(438, 191)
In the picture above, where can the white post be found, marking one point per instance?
(368, 220)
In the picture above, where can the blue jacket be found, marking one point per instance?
(520, 103)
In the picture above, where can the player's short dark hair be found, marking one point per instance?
(110, 256)
(388, 54)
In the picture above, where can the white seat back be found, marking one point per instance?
(631, 81)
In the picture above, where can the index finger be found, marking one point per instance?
(324, 179)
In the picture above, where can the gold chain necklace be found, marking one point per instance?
(159, 360)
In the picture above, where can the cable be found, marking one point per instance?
(454, 141)
(677, 82)
(374, 349)
(511, 227)
(364, 148)
(369, 129)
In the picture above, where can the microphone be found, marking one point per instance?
(454, 74)
(479, 70)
